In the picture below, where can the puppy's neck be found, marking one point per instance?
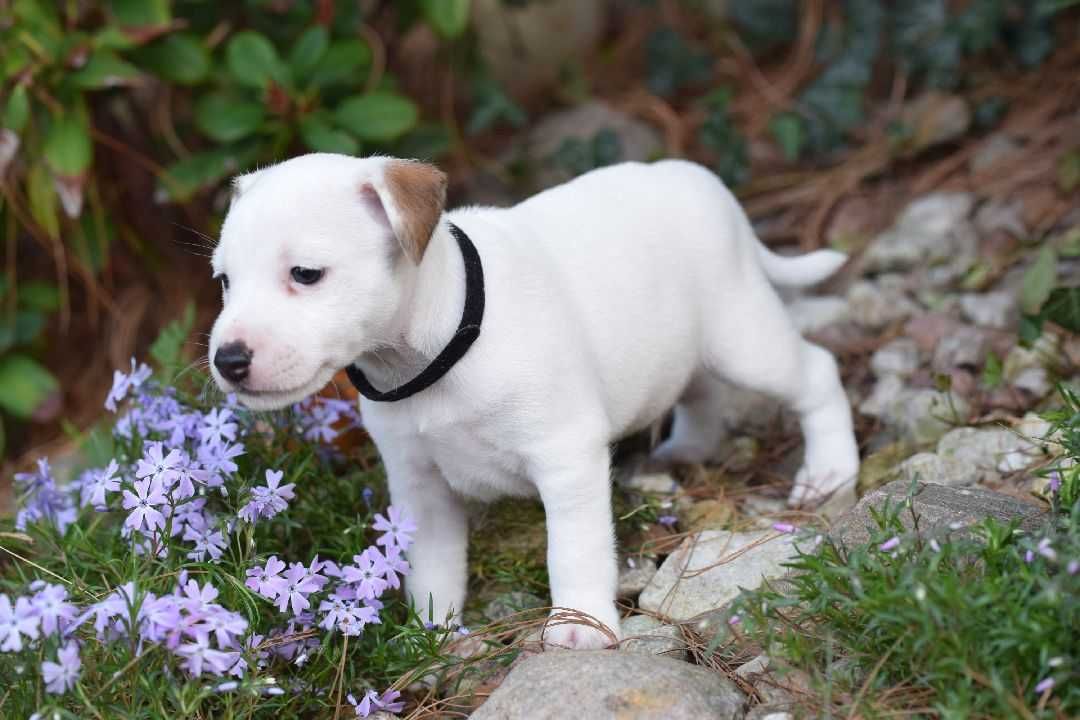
(433, 299)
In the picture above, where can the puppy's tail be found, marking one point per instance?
(799, 270)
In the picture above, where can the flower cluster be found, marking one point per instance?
(32, 618)
(323, 419)
(41, 499)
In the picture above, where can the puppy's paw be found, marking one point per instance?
(574, 630)
(812, 488)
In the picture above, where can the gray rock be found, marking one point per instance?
(708, 570)
(1007, 216)
(993, 309)
(938, 507)
(885, 393)
(637, 141)
(964, 348)
(935, 118)
(1025, 369)
(633, 578)
(653, 484)
(877, 304)
(647, 635)
(897, 357)
(511, 603)
(926, 232)
(995, 149)
(606, 685)
(812, 313)
(916, 415)
(756, 666)
(989, 451)
(932, 468)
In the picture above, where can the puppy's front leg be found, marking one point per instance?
(439, 551)
(576, 492)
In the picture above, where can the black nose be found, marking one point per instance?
(233, 360)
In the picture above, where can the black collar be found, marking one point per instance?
(467, 332)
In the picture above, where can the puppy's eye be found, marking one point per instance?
(306, 276)
(223, 279)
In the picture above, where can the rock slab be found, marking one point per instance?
(607, 685)
(937, 506)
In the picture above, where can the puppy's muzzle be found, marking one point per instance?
(233, 361)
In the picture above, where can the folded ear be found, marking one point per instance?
(410, 196)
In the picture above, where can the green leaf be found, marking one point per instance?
(1039, 281)
(1063, 308)
(43, 200)
(1030, 329)
(225, 119)
(378, 116)
(40, 296)
(181, 58)
(449, 18)
(787, 128)
(308, 50)
(321, 136)
(185, 178)
(427, 142)
(24, 385)
(168, 349)
(993, 371)
(341, 63)
(68, 149)
(141, 13)
(17, 109)
(253, 61)
(104, 69)
(1068, 171)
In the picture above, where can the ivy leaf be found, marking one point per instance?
(68, 149)
(27, 385)
(185, 178)
(1063, 308)
(140, 13)
(167, 350)
(672, 64)
(17, 109)
(181, 58)
(787, 129)
(308, 50)
(765, 23)
(449, 18)
(104, 69)
(379, 116)
(319, 134)
(225, 118)
(1068, 171)
(253, 61)
(1039, 281)
(39, 296)
(341, 63)
(41, 193)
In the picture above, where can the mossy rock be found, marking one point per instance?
(879, 468)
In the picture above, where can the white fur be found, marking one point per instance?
(610, 299)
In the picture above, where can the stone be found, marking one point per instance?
(886, 391)
(709, 514)
(878, 467)
(877, 304)
(934, 118)
(1005, 216)
(1025, 369)
(926, 233)
(965, 348)
(755, 666)
(897, 357)
(932, 468)
(634, 577)
(653, 484)
(649, 636)
(709, 569)
(510, 603)
(921, 416)
(812, 313)
(996, 148)
(637, 140)
(990, 451)
(607, 685)
(761, 506)
(998, 310)
(928, 329)
(938, 508)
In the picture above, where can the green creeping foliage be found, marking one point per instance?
(672, 64)
(978, 618)
(719, 136)
(1041, 298)
(1065, 429)
(577, 156)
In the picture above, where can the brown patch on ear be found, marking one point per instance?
(418, 192)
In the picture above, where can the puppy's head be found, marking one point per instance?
(314, 260)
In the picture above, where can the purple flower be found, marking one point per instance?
(199, 656)
(396, 565)
(207, 542)
(1055, 481)
(218, 460)
(667, 521)
(355, 617)
(62, 675)
(364, 705)
(158, 465)
(1073, 567)
(367, 575)
(197, 600)
(225, 625)
(784, 528)
(734, 620)
(297, 586)
(101, 482)
(390, 703)
(125, 383)
(1045, 550)
(216, 427)
(268, 501)
(17, 622)
(1029, 557)
(52, 606)
(41, 499)
(267, 580)
(890, 544)
(143, 503)
(397, 530)
(1045, 685)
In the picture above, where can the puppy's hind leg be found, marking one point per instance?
(697, 424)
(753, 343)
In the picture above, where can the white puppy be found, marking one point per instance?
(609, 300)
